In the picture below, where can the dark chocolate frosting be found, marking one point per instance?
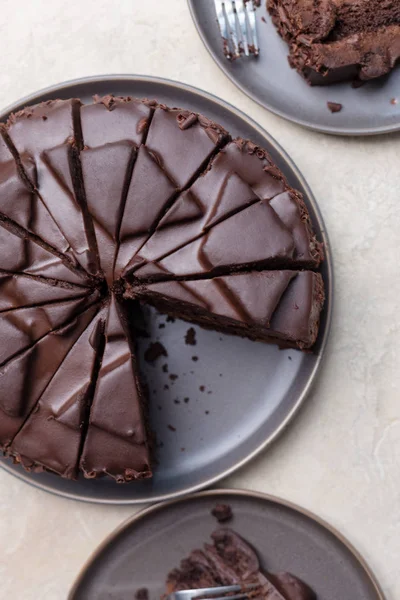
(98, 201)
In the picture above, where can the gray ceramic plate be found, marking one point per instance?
(251, 390)
(270, 81)
(143, 550)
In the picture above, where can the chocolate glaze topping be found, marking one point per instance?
(105, 204)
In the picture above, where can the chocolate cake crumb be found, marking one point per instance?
(182, 449)
(154, 351)
(186, 400)
(165, 368)
(334, 107)
(195, 358)
(394, 101)
(166, 386)
(171, 427)
(222, 512)
(161, 326)
(173, 376)
(190, 337)
(202, 388)
(142, 594)
(176, 401)
(263, 19)
(207, 412)
(170, 319)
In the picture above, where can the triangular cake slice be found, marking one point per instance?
(21, 254)
(42, 132)
(282, 307)
(150, 190)
(20, 328)
(51, 438)
(24, 379)
(252, 238)
(112, 119)
(230, 560)
(239, 175)
(106, 173)
(20, 291)
(116, 441)
(180, 144)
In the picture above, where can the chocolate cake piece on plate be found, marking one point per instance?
(47, 135)
(20, 254)
(20, 328)
(252, 238)
(24, 378)
(52, 436)
(238, 176)
(336, 40)
(116, 441)
(21, 291)
(230, 560)
(282, 307)
(178, 147)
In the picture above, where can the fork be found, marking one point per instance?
(240, 592)
(237, 22)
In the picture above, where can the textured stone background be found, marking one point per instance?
(341, 458)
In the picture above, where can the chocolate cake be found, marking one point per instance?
(108, 205)
(230, 560)
(336, 40)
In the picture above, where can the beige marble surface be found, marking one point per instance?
(341, 458)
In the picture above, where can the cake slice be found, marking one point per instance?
(178, 147)
(282, 307)
(335, 40)
(24, 378)
(106, 174)
(47, 134)
(238, 176)
(116, 441)
(51, 438)
(112, 119)
(252, 238)
(21, 254)
(21, 291)
(230, 560)
(22, 327)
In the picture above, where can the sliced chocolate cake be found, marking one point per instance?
(270, 306)
(336, 40)
(108, 205)
(230, 560)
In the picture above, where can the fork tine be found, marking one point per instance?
(251, 19)
(241, 17)
(229, 11)
(224, 27)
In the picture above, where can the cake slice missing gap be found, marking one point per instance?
(52, 437)
(281, 307)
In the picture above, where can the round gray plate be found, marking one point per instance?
(271, 82)
(143, 550)
(251, 390)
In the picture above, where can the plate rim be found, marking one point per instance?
(337, 131)
(329, 285)
(237, 493)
